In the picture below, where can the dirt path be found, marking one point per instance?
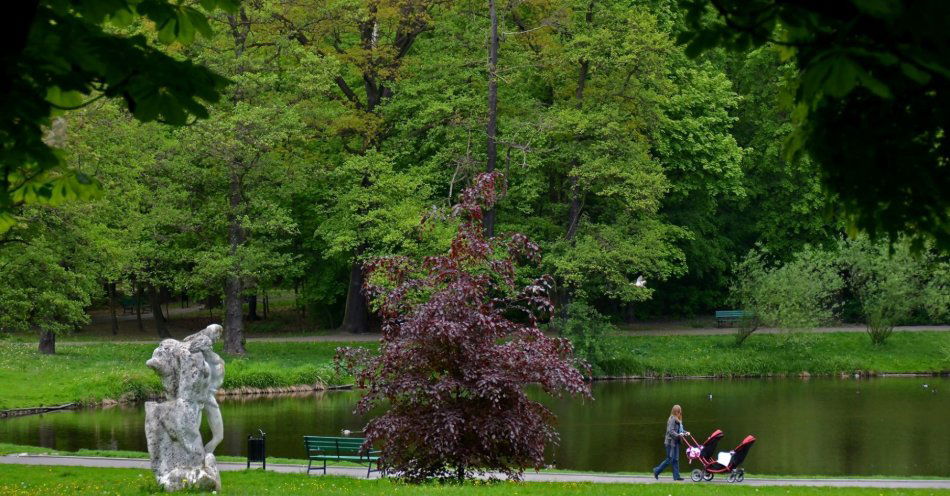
(341, 337)
(102, 462)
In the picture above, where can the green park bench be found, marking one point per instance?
(128, 305)
(731, 316)
(339, 449)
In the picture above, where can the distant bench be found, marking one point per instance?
(731, 316)
(339, 449)
(129, 303)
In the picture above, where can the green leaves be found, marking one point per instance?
(873, 75)
(69, 60)
(836, 75)
(182, 25)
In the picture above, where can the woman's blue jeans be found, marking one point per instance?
(672, 460)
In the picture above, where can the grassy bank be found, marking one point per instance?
(16, 449)
(36, 480)
(90, 373)
(771, 354)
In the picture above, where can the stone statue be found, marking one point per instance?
(191, 373)
(201, 341)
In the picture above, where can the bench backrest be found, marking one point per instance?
(726, 314)
(334, 446)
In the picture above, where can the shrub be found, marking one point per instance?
(460, 343)
(888, 281)
(587, 329)
(797, 295)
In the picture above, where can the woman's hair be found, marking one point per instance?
(677, 412)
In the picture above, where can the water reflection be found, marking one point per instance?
(820, 426)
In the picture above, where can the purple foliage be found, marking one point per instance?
(460, 343)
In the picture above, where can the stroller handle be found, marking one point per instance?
(691, 438)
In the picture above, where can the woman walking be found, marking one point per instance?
(671, 443)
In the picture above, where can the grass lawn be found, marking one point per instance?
(37, 480)
(89, 373)
(764, 354)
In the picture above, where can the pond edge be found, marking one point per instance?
(311, 388)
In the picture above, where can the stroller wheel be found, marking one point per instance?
(740, 476)
(696, 475)
(708, 476)
(732, 476)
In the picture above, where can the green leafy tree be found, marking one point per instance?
(872, 88)
(48, 273)
(60, 54)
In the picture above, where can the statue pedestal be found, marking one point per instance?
(178, 456)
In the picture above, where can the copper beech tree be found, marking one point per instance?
(460, 344)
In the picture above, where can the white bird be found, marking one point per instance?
(641, 282)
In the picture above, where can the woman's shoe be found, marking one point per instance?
(678, 479)
(656, 475)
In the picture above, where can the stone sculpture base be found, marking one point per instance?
(174, 443)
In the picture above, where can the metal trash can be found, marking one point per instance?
(256, 451)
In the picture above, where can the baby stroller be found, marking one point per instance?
(724, 462)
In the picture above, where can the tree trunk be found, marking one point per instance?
(161, 326)
(137, 288)
(266, 305)
(577, 195)
(492, 108)
(47, 342)
(252, 308)
(355, 318)
(233, 317)
(574, 213)
(234, 286)
(112, 303)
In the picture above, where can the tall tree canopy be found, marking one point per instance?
(873, 79)
(57, 54)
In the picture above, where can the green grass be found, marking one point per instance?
(37, 480)
(775, 354)
(89, 373)
(13, 449)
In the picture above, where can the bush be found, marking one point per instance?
(460, 344)
(587, 329)
(747, 325)
(797, 295)
(888, 280)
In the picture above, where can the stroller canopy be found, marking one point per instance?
(709, 446)
(742, 450)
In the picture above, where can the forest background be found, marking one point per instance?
(348, 129)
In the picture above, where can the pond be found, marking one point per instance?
(889, 426)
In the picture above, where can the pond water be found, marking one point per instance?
(891, 426)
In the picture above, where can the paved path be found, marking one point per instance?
(139, 463)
